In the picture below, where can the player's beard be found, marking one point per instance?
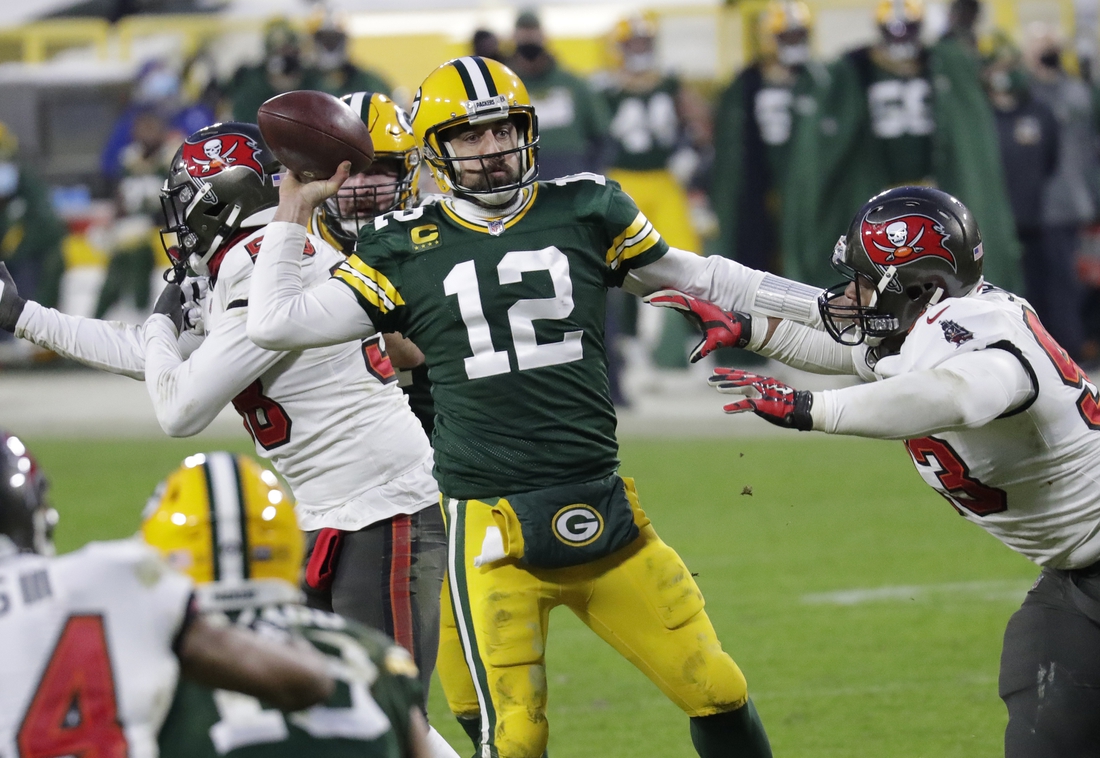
(480, 185)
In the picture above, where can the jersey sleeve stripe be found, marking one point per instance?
(368, 289)
(384, 285)
(637, 238)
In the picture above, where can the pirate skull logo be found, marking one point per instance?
(902, 240)
(208, 157)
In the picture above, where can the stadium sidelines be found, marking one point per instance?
(83, 403)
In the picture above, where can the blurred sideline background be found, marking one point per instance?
(95, 96)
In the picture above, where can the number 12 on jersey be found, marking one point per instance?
(486, 360)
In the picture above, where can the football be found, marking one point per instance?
(312, 132)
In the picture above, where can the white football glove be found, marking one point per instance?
(194, 294)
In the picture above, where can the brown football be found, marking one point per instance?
(312, 132)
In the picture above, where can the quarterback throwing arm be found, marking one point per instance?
(284, 317)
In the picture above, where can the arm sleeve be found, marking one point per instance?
(807, 349)
(188, 394)
(727, 284)
(106, 345)
(963, 392)
(282, 315)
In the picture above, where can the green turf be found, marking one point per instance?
(912, 675)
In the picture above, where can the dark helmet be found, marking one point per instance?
(913, 246)
(222, 180)
(25, 516)
(346, 212)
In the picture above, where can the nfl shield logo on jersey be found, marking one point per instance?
(496, 228)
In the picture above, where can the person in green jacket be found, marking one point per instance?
(752, 135)
(573, 120)
(333, 72)
(283, 69)
(895, 113)
(30, 231)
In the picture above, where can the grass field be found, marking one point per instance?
(866, 615)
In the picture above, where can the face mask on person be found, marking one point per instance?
(529, 51)
(639, 63)
(9, 179)
(793, 55)
(1051, 59)
(286, 64)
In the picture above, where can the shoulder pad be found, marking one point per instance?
(952, 327)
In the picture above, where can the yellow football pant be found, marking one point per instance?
(641, 600)
(663, 201)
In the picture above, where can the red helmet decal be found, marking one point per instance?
(213, 155)
(904, 239)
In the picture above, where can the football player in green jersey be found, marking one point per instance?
(225, 521)
(503, 286)
(389, 184)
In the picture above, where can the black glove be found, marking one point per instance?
(11, 305)
(170, 304)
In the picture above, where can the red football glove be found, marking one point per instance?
(768, 398)
(720, 328)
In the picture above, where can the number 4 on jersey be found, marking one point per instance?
(74, 710)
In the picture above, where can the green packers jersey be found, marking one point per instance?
(901, 117)
(509, 314)
(644, 126)
(367, 716)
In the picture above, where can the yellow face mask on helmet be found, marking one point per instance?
(222, 518)
(394, 148)
(472, 91)
(785, 24)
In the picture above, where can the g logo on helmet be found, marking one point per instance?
(577, 525)
(905, 239)
(214, 155)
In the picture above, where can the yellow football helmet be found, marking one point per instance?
(395, 153)
(222, 518)
(785, 24)
(471, 91)
(895, 11)
(633, 40)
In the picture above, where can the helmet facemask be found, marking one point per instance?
(388, 185)
(852, 321)
(223, 180)
(493, 191)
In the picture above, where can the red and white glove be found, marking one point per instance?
(768, 398)
(720, 328)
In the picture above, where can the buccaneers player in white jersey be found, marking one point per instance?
(94, 641)
(331, 420)
(996, 416)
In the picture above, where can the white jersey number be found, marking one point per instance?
(487, 361)
(245, 722)
(638, 124)
(900, 107)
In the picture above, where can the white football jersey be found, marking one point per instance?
(88, 666)
(332, 420)
(1031, 478)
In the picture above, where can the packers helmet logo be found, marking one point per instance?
(577, 525)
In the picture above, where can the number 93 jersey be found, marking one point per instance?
(1029, 477)
(366, 717)
(87, 666)
(509, 313)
